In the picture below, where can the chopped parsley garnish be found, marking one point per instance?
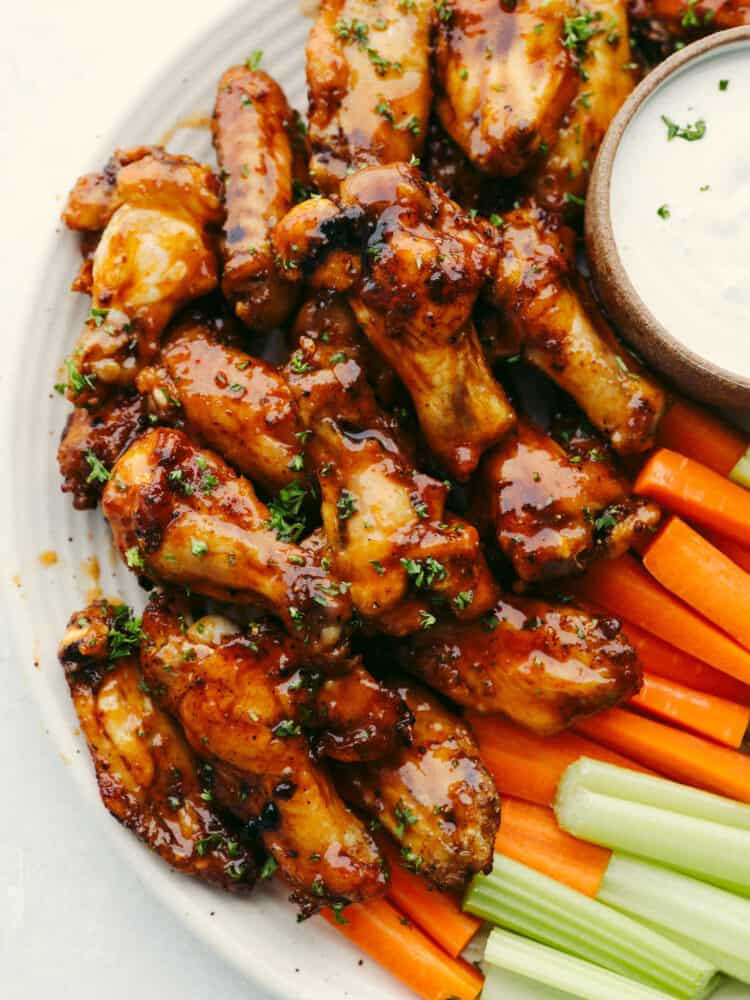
(99, 471)
(424, 573)
(298, 364)
(411, 861)
(444, 11)
(690, 18)
(338, 358)
(464, 599)
(346, 505)
(404, 817)
(198, 548)
(287, 728)
(663, 211)
(349, 29)
(297, 463)
(426, 620)
(97, 316)
(133, 558)
(77, 382)
(421, 509)
(604, 523)
(384, 109)
(338, 912)
(578, 32)
(286, 518)
(208, 483)
(723, 84)
(573, 199)
(253, 61)
(378, 567)
(690, 132)
(532, 623)
(124, 633)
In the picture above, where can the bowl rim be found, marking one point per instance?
(634, 319)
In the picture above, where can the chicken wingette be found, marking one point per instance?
(435, 796)
(155, 254)
(413, 264)
(552, 509)
(562, 332)
(543, 665)
(368, 75)
(261, 154)
(148, 777)
(180, 515)
(230, 690)
(233, 402)
(504, 78)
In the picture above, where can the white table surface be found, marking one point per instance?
(74, 921)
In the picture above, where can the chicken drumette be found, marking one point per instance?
(413, 264)
(154, 255)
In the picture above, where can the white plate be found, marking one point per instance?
(260, 935)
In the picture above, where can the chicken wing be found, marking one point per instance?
(504, 78)
(553, 510)
(435, 797)
(686, 19)
(562, 332)
(412, 291)
(155, 255)
(92, 441)
(181, 515)
(600, 37)
(148, 777)
(542, 665)
(229, 689)
(260, 151)
(368, 77)
(235, 403)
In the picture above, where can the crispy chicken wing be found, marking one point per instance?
(562, 332)
(368, 77)
(385, 522)
(148, 777)
(412, 290)
(235, 403)
(435, 796)
(542, 665)
(181, 515)
(688, 19)
(553, 510)
(504, 78)
(259, 149)
(606, 77)
(155, 255)
(92, 441)
(229, 690)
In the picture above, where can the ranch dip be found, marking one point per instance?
(680, 205)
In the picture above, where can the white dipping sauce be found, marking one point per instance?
(692, 268)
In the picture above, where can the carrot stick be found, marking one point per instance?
(692, 568)
(529, 834)
(736, 552)
(527, 766)
(686, 487)
(625, 589)
(658, 657)
(718, 719)
(675, 754)
(439, 914)
(381, 931)
(702, 436)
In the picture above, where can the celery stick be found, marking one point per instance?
(499, 984)
(741, 472)
(710, 851)
(711, 922)
(608, 779)
(562, 972)
(533, 904)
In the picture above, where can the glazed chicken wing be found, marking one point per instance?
(148, 777)
(181, 515)
(229, 690)
(92, 441)
(259, 149)
(553, 511)
(235, 403)
(686, 20)
(542, 665)
(606, 76)
(562, 332)
(155, 255)
(412, 290)
(435, 796)
(368, 77)
(504, 78)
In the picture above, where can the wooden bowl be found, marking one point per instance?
(696, 375)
